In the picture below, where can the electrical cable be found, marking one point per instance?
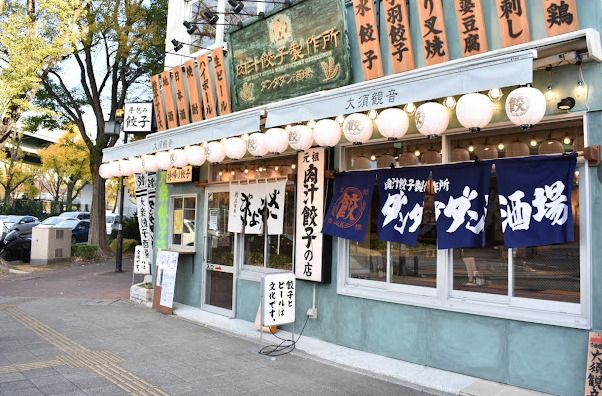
(285, 347)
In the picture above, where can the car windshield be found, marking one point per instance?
(53, 220)
(12, 219)
(69, 214)
(68, 223)
(111, 218)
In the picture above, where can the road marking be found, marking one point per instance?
(103, 363)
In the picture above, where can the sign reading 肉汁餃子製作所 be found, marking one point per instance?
(299, 50)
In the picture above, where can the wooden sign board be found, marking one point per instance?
(367, 37)
(194, 97)
(182, 104)
(179, 175)
(170, 108)
(167, 268)
(560, 16)
(400, 39)
(221, 82)
(158, 103)
(469, 15)
(514, 22)
(206, 86)
(593, 370)
(432, 27)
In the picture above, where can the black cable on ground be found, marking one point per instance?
(285, 347)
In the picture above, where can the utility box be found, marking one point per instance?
(50, 245)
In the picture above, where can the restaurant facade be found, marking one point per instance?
(428, 170)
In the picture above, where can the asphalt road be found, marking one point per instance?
(72, 331)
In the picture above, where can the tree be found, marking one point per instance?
(36, 35)
(14, 173)
(67, 168)
(116, 49)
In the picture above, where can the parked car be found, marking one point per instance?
(79, 229)
(15, 246)
(21, 224)
(51, 221)
(112, 222)
(76, 215)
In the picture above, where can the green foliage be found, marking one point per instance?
(22, 207)
(85, 251)
(129, 245)
(130, 229)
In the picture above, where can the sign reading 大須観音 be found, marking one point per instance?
(248, 205)
(278, 299)
(593, 369)
(301, 49)
(309, 215)
(137, 117)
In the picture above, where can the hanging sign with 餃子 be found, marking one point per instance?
(398, 31)
(221, 81)
(170, 108)
(248, 206)
(432, 26)
(206, 86)
(514, 22)
(561, 16)
(535, 200)
(367, 37)
(461, 199)
(178, 76)
(158, 102)
(473, 37)
(194, 96)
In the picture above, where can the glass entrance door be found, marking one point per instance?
(218, 290)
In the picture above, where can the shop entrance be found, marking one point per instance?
(218, 260)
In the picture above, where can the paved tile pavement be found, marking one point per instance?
(104, 345)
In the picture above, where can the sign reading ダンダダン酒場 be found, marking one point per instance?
(299, 50)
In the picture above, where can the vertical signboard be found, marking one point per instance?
(367, 37)
(158, 102)
(561, 16)
(278, 299)
(194, 96)
(141, 265)
(170, 108)
(151, 189)
(432, 27)
(310, 215)
(143, 208)
(593, 369)
(473, 37)
(168, 263)
(514, 22)
(398, 31)
(221, 82)
(206, 86)
(178, 76)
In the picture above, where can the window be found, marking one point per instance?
(545, 284)
(183, 223)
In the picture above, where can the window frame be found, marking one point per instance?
(179, 247)
(444, 297)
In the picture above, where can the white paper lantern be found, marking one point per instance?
(256, 145)
(195, 155)
(474, 111)
(163, 160)
(124, 168)
(431, 119)
(300, 137)
(105, 171)
(327, 133)
(136, 165)
(276, 140)
(235, 148)
(150, 163)
(215, 152)
(525, 106)
(357, 128)
(393, 123)
(178, 158)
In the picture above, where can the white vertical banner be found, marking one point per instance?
(151, 189)
(278, 299)
(247, 205)
(142, 212)
(309, 214)
(168, 262)
(140, 262)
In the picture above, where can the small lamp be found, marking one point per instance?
(566, 104)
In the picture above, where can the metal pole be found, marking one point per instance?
(119, 255)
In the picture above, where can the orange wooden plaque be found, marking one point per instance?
(178, 76)
(471, 27)
(400, 39)
(194, 97)
(560, 16)
(158, 102)
(221, 82)
(170, 108)
(367, 37)
(432, 27)
(514, 22)
(593, 371)
(206, 86)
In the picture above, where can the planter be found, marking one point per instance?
(141, 295)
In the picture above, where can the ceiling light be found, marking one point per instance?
(495, 94)
(580, 90)
(373, 114)
(471, 148)
(567, 140)
(501, 146)
(373, 157)
(410, 108)
(449, 102)
(417, 153)
(533, 142)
